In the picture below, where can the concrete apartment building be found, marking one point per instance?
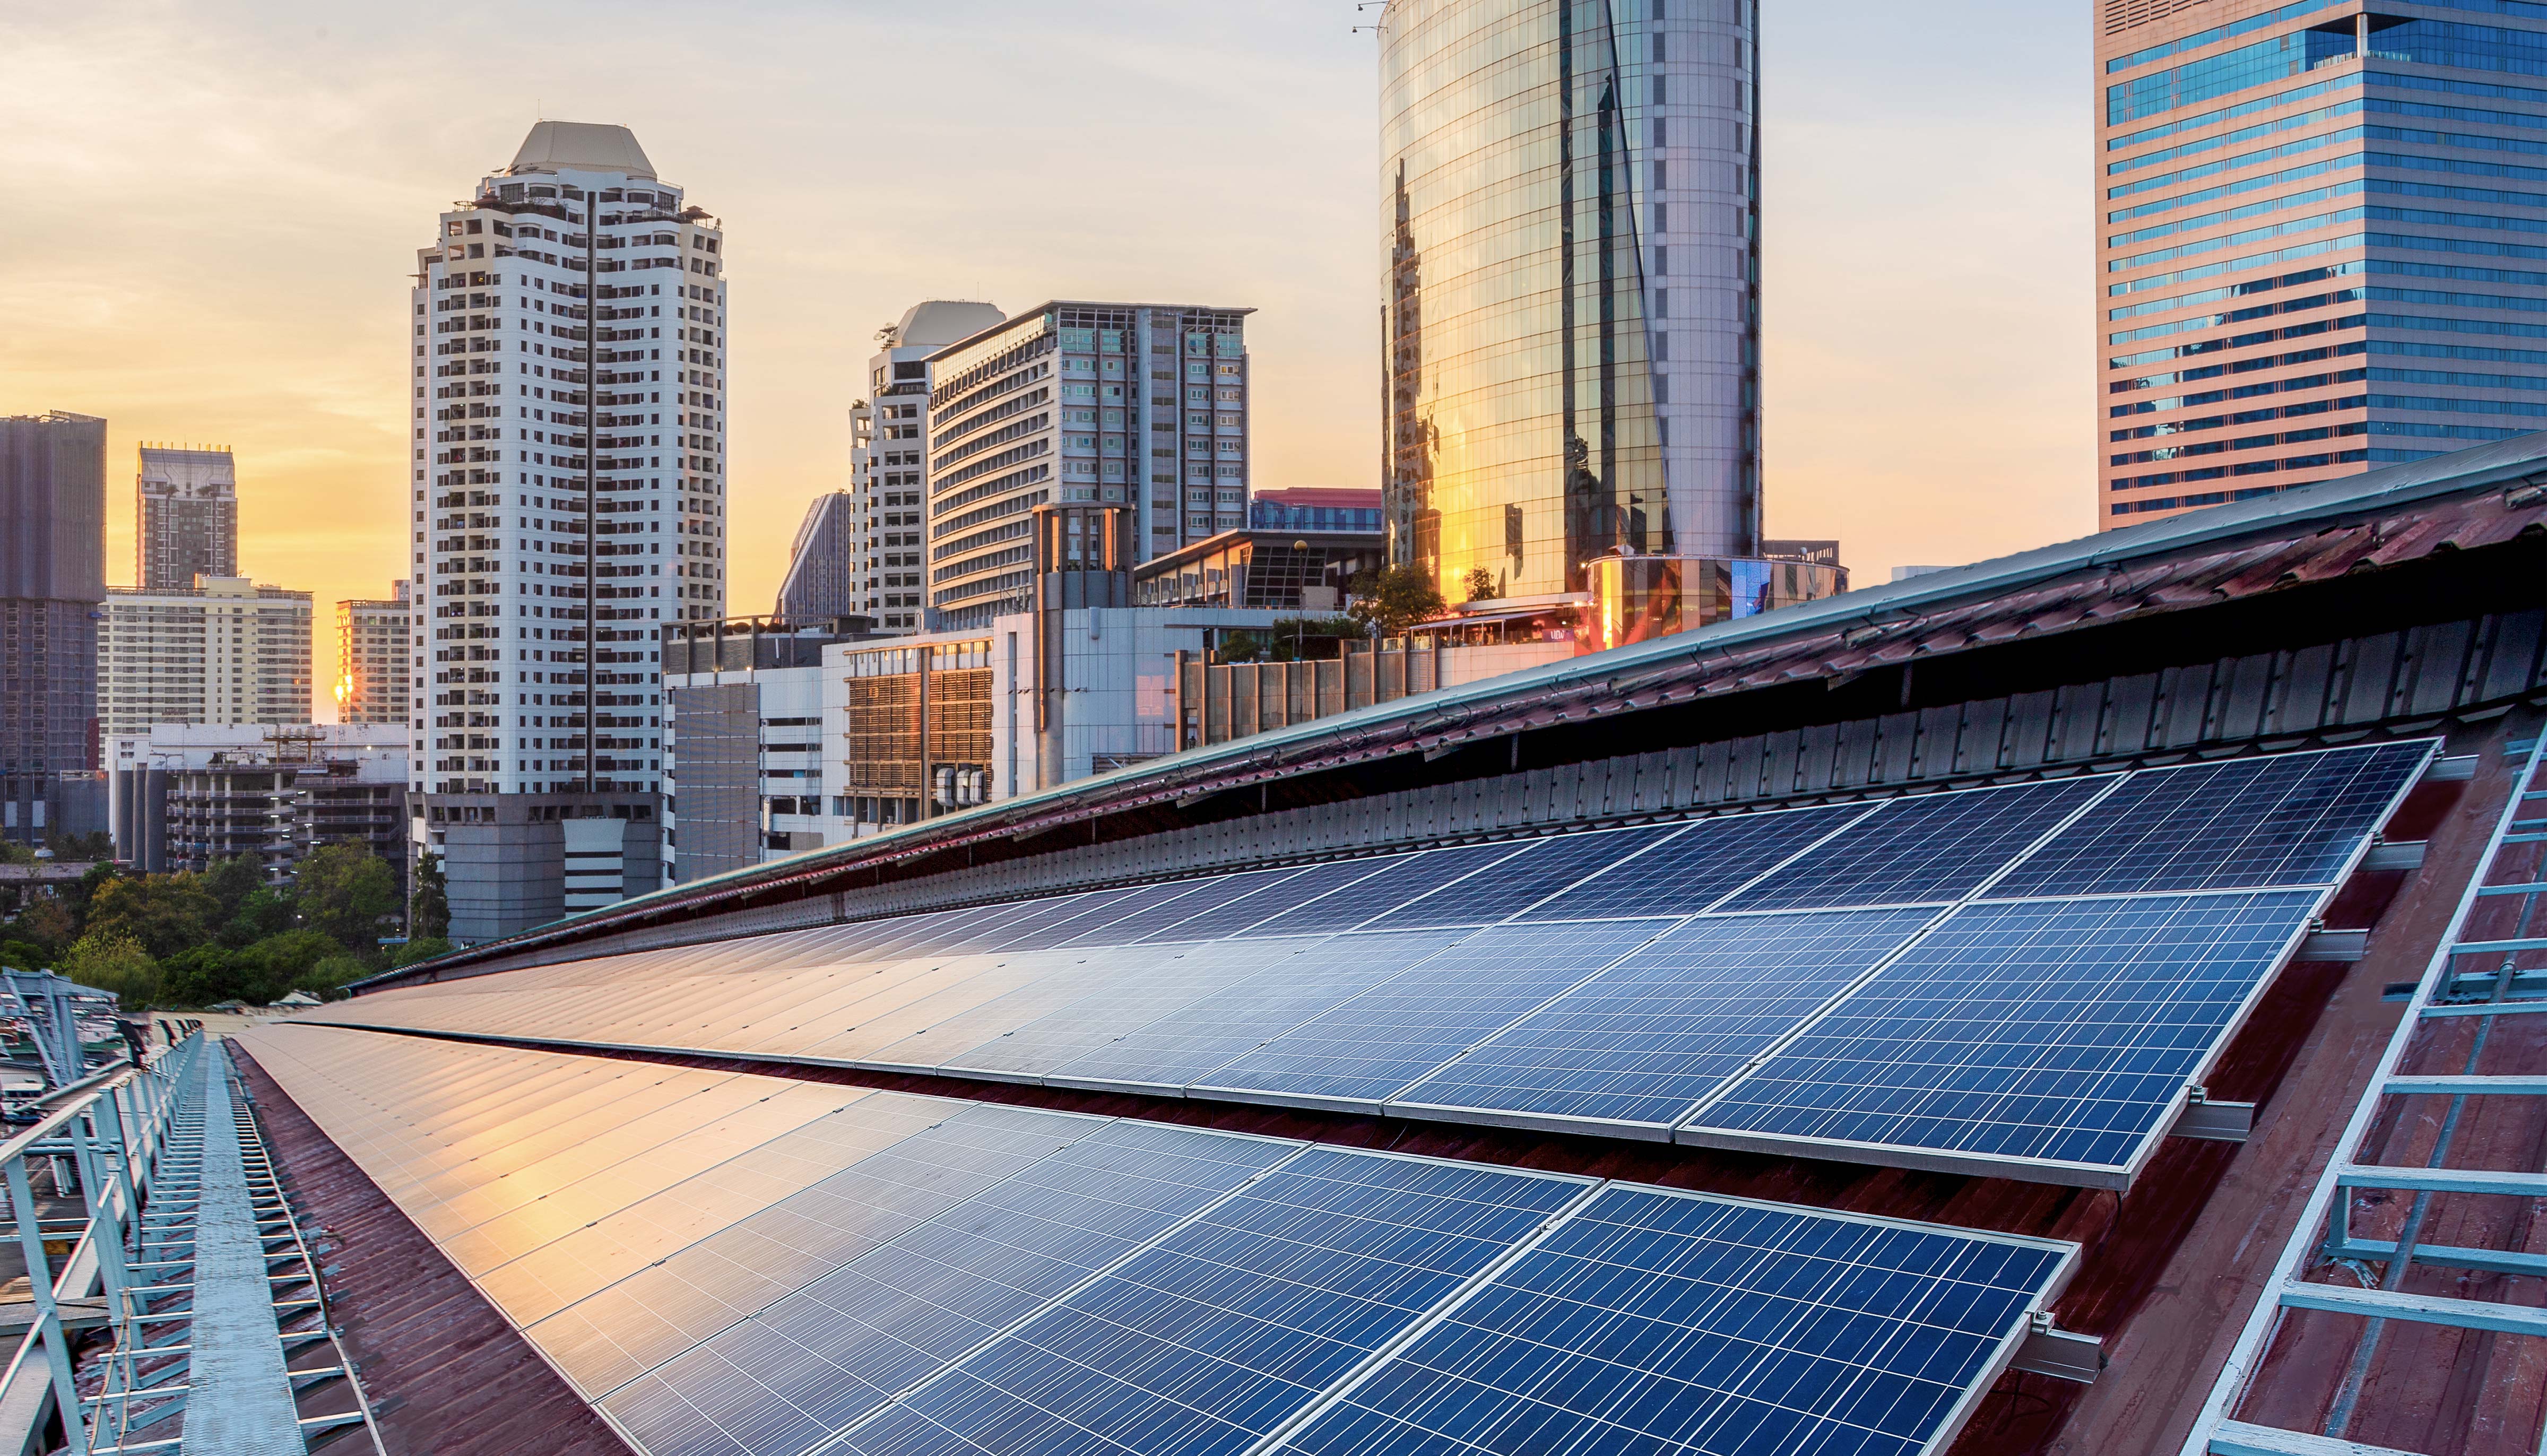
(568, 376)
(225, 651)
(52, 578)
(1138, 407)
(821, 581)
(889, 435)
(372, 653)
(185, 517)
(1591, 439)
(2322, 241)
(184, 796)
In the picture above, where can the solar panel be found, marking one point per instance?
(1632, 1049)
(1543, 868)
(2059, 1034)
(949, 1152)
(1262, 989)
(1191, 897)
(1356, 1056)
(1265, 903)
(1929, 848)
(1695, 870)
(1209, 1341)
(1398, 883)
(1077, 914)
(1680, 1325)
(821, 1357)
(2295, 819)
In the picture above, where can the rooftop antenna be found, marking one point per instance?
(1382, 5)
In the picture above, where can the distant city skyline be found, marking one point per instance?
(1924, 383)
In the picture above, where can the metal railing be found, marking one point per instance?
(107, 1130)
(2468, 977)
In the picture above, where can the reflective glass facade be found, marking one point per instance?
(2323, 244)
(1569, 230)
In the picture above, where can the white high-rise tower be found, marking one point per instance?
(569, 399)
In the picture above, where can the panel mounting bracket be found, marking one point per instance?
(2404, 854)
(2063, 1354)
(2213, 1122)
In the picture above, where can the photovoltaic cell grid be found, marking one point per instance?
(1645, 1041)
(1660, 1323)
(2243, 823)
(1009, 1280)
(2049, 1030)
(1932, 848)
(1364, 1051)
(1495, 1027)
(1694, 870)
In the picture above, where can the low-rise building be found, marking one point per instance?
(183, 795)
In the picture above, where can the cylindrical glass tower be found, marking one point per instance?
(1571, 328)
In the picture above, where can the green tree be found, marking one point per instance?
(1396, 598)
(407, 954)
(278, 962)
(330, 976)
(204, 976)
(76, 848)
(23, 956)
(266, 911)
(166, 914)
(75, 895)
(1481, 584)
(428, 915)
(48, 925)
(346, 890)
(231, 881)
(109, 960)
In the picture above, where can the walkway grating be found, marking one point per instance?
(238, 1397)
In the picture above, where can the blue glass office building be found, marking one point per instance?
(2322, 241)
(1570, 251)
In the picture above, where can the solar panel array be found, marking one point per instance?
(2020, 979)
(739, 1265)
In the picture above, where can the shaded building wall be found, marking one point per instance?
(52, 576)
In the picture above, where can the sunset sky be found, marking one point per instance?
(217, 206)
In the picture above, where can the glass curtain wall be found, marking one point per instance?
(1522, 433)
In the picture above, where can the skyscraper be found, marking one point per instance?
(1569, 213)
(1140, 406)
(822, 580)
(185, 517)
(888, 458)
(372, 654)
(52, 577)
(2323, 243)
(569, 400)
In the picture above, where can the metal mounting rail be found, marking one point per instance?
(2481, 981)
(200, 1269)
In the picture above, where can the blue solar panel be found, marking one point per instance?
(1205, 1343)
(823, 1357)
(1648, 1038)
(1652, 1323)
(1543, 868)
(1391, 886)
(2295, 819)
(1263, 989)
(1279, 891)
(729, 1275)
(2063, 1031)
(1066, 924)
(1930, 849)
(1362, 1051)
(1137, 921)
(1695, 870)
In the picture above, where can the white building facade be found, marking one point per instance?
(225, 651)
(570, 397)
(889, 458)
(1136, 405)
